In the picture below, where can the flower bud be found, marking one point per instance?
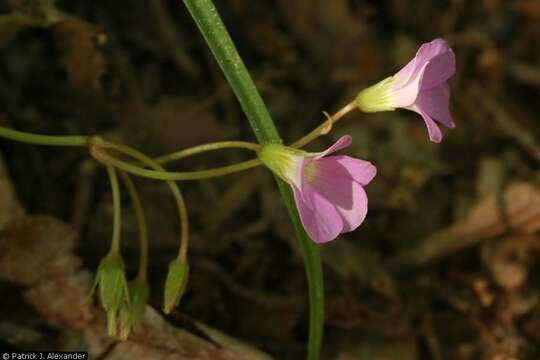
(131, 314)
(139, 292)
(113, 289)
(175, 284)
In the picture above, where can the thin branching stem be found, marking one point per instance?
(98, 150)
(38, 139)
(141, 223)
(180, 154)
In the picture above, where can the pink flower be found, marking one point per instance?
(328, 190)
(420, 86)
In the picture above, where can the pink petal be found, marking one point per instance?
(334, 182)
(319, 217)
(358, 170)
(402, 76)
(435, 103)
(354, 217)
(439, 70)
(434, 131)
(406, 95)
(341, 143)
(430, 50)
(297, 172)
(412, 71)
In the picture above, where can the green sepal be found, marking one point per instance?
(282, 160)
(377, 97)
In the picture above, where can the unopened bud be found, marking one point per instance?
(111, 279)
(175, 284)
(139, 292)
(113, 289)
(131, 314)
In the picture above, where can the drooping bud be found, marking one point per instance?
(131, 314)
(113, 289)
(175, 284)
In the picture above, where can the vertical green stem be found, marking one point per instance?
(141, 222)
(175, 190)
(117, 208)
(212, 28)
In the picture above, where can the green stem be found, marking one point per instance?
(141, 222)
(325, 127)
(209, 22)
(175, 176)
(177, 155)
(37, 139)
(97, 151)
(117, 208)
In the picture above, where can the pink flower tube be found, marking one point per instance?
(420, 86)
(328, 190)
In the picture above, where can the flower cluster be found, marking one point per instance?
(329, 190)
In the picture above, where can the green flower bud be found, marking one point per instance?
(139, 293)
(131, 314)
(175, 284)
(112, 282)
(113, 289)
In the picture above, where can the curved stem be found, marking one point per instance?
(177, 155)
(117, 208)
(38, 139)
(141, 222)
(325, 127)
(179, 199)
(175, 176)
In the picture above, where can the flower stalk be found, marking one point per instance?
(131, 168)
(98, 150)
(117, 209)
(177, 155)
(37, 139)
(325, 127)
(141, 223)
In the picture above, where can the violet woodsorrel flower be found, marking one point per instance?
(328, 190)
(420, 86)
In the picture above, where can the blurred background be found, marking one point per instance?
(445, 265)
